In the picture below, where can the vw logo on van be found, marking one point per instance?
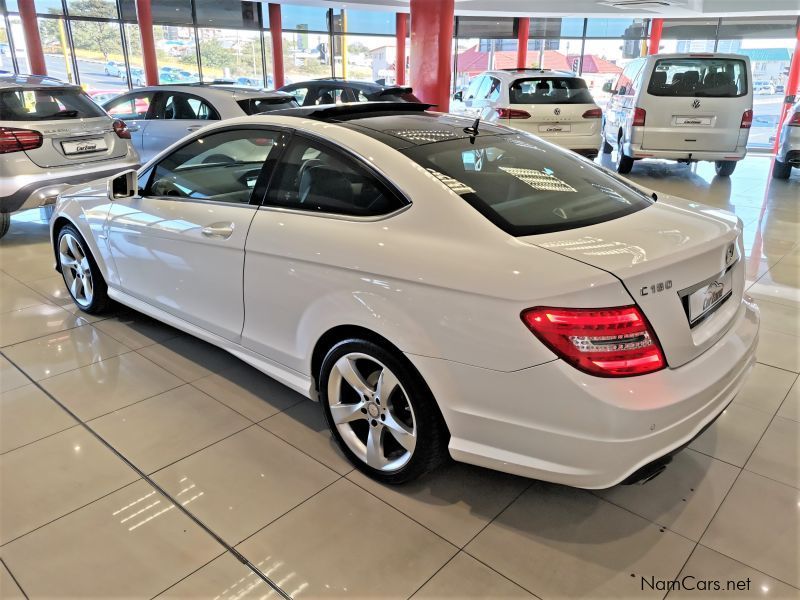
(696, 104)
(556, 111)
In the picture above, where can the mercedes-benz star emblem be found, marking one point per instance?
(696, 104)
(556, 111)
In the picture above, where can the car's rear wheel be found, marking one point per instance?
(606, 147)
(781, 170)
(624, 163)
(80, 272)
(5, 223)
(725, 168)
(380, 412)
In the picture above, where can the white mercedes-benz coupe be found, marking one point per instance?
(441, 286)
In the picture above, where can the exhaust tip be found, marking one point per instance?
(648, 472)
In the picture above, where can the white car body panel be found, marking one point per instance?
(446, 287)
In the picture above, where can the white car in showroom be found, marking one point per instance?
(554, 105)
(440, 289)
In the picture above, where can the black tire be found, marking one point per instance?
(781, 170)
(725, 168)
(624, 162)
(432, 436)
(5, 223)
(605, 147)
(100, 302)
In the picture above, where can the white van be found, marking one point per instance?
(684, 107)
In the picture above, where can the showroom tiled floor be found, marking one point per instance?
(251, 461)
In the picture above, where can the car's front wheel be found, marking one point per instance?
(381, 412)
(624, 162)
(80, 272)
(5, 223)
(781, 170)
(725, 168)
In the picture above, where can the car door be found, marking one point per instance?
(174, 116)
(178, 245)
(133, 108)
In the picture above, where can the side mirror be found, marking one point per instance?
(607, 87)
(124, 185)
(459, 95)
(622, 91)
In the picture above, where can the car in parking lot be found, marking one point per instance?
(684, 107)
(763, 87)
(114, 69)
(440, 288)
(158, 116)
(788, 154)
(53, 136)
(554, 105)
(334, 90)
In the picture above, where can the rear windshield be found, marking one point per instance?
(550, 90)
(43, 105)
(253, 106)
(699, 77)
(391, 95)
(526, 188)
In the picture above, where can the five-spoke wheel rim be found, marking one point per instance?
(371, 411)
(75, 269)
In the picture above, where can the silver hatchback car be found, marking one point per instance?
(52, 136)
(788, 154)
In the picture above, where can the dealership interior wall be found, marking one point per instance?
(267, 505)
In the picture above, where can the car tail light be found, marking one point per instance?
(795, 120)
(608, 342)
(593, 113)
(121, 129)
(639, 117)
(747, 119)
(13, 139)
(512, 113)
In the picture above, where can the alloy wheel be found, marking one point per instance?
(371, 411)
(76, 269)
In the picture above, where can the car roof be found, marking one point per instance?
(218, 92)
(38, 81)
(524, 73)
(358, 85)
(396, 124)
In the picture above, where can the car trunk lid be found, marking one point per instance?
(679, 261)
(552, 120)
(76, 141)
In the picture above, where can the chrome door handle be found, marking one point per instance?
(218, 230)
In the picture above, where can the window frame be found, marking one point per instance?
(259, 191)
(131, 96)
(345, 155)
(160, 99)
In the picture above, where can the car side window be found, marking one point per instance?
(316, 178)
(493, 93)
(330, 95)
(299, 94)
(184, 106)
(130, 106)
(472, 89)
(483, 91)
(221, 166)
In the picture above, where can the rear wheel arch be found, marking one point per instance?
(58, 225)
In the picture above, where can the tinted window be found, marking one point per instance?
(42, 105)
(524, 190)
(701, 77)
(184, 106)
(316, 178)
(472, 90)
(328, 95)
(222, 166)
(299, 94)
(253, 106)
(550, 90)
(131, 107)
(493, 93)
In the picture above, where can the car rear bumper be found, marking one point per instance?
(636, 151)
(31, 191)
(555, 423)
(590, 142)
(789, 148)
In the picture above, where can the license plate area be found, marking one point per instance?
(555, 128)
(701, 300)
(693, 121)
(85, 146)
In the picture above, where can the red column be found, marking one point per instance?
(792, 86)
(275, 27)
(655, 36)
(33, 42)
(523, 30)
(144, 16)
(431, 50)
(402, 34)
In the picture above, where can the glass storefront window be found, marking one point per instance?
(98, 52)
(476, 55)
(369, 58)
(92, 8)
(241, 15)
(304, 18)
(363, 21)
(6, 63)
(231, 54)
(57, 54)
(616, 28)
(306, 56)
(603, 61)
(173, 12)
(175, 51)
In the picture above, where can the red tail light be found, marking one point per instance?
(795, 120)
(512, 113)
(639, 117)
(17, 140)
(121, 129)
(747, 119)
(607, 342)
(593, 113)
